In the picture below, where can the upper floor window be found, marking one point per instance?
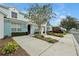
(14, 15)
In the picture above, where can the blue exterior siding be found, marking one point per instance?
(7, 28)
(23, 27)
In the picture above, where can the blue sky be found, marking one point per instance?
(61, 9)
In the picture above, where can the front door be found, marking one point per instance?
(29, 28)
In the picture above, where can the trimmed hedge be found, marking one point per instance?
(19, 33)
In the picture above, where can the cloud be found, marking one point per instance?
(62, 16)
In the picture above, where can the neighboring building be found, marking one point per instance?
(12, 20)
(72, 30)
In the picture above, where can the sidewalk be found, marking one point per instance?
(36, 47)
(65, 47)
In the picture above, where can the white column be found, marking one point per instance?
(45, 29)
(32, 29)
(1, 25)
(42, 29)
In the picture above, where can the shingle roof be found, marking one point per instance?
(4, 6)
(2, 13)
(7, 7)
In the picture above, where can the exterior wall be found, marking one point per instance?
(1, 26)
(10, 10)
(7, 28)
(20, 16)
(24, 27)
(34, 28)
(49, 28)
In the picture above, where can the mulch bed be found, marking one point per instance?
(18, 52)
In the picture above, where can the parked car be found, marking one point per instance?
(57, 30)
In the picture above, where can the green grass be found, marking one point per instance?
(48, 39)
(51, 40)
(39, 36)
(56, 34)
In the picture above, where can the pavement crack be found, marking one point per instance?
(45, 50)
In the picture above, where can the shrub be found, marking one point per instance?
(51, 40)
(19, 33)
(9, 48)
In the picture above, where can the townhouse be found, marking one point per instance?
(14, 21)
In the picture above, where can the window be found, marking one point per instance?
(14, 15)
(13, 29)
(16, 27)
(19, 29)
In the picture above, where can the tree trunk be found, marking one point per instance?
(42, 30)
(39, 29)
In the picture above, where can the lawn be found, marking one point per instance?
(57, 34)
(4, 46)
(47, 39)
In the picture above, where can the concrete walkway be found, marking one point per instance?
(37, 47)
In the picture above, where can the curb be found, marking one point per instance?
(76, 45)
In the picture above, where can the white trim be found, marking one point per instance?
(1, 25)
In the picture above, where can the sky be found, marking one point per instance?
(61, 9)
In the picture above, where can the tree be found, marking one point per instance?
(68, 23)
(40, 14)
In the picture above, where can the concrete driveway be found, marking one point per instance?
(37, 47)
(32, 45)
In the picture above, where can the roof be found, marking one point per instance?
(7, 7)
(2, 13)
(4, 6)
(21, 13)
